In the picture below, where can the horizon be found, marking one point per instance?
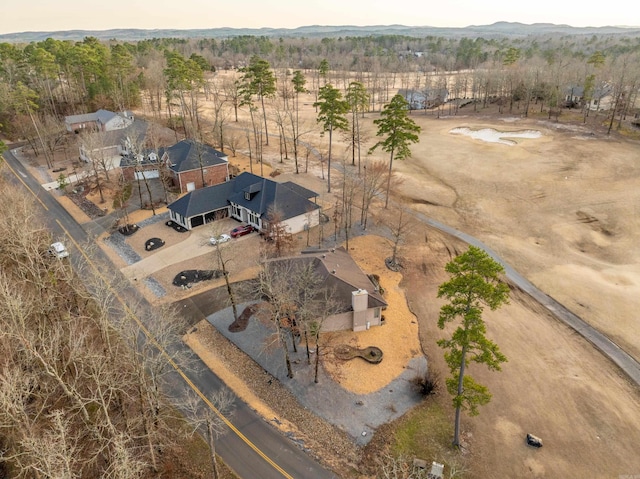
(631, 27)
(46, 16)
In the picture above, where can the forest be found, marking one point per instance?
(41, 82)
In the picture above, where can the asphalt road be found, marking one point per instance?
(250, 447)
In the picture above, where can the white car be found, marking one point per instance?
(58, 250)
(223, 238)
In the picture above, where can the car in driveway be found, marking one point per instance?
(223, 238)
(58, 250)
(241, 230)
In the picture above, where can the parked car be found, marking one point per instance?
(58, 250)
(241, 230)
(223, 238)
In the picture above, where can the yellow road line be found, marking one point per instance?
(153, 341)
(15, 173)
(170, 360)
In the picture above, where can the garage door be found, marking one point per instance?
(149, 174)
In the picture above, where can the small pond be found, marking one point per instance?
(494, 136)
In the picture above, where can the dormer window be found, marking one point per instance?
(247, 196)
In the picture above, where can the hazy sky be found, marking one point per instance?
(50, 15)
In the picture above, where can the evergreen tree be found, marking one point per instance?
(331, 114)
(399, 131)
(474, 284)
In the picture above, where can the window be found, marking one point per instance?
(376, 313)
(247, 196)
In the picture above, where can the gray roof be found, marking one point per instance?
(188, 155)
(288, 199)
(146, 158)
(598, 92)
(103, 116)
(136, 133)
(342, 274)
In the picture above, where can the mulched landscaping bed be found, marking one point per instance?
(370, 354)
(88, 207)
(190, 276)
(128, 230)
(176, 226)
(153, 243)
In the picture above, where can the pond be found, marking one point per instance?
(494, 136)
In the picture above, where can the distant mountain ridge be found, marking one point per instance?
(498, 29)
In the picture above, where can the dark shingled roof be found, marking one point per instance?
(188, 155)
(204, 200)
(288, 199)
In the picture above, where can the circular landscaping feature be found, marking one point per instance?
(185, 278)
(176, 226)
(370, 354)
(153, 243)
(128, 230)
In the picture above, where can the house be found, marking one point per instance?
(146, 165)
(251, 199)
(101, 120)
(601, 97)
(108, 145)
(195, 165)
(359, 301)
(424, 99)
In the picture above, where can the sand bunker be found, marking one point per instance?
(494, 136)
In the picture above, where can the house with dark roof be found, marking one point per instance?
(101, 120)
(194, 165)
(251, 199)
(358, 299)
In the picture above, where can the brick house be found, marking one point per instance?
(193, 165)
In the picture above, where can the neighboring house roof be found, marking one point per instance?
(288, 199)
(100, 116)
(340, 273)
(188, 155)
(598, 92)
(203, 200)
(147, 158)
(133, 134)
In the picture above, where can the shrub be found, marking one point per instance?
(426, 383)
